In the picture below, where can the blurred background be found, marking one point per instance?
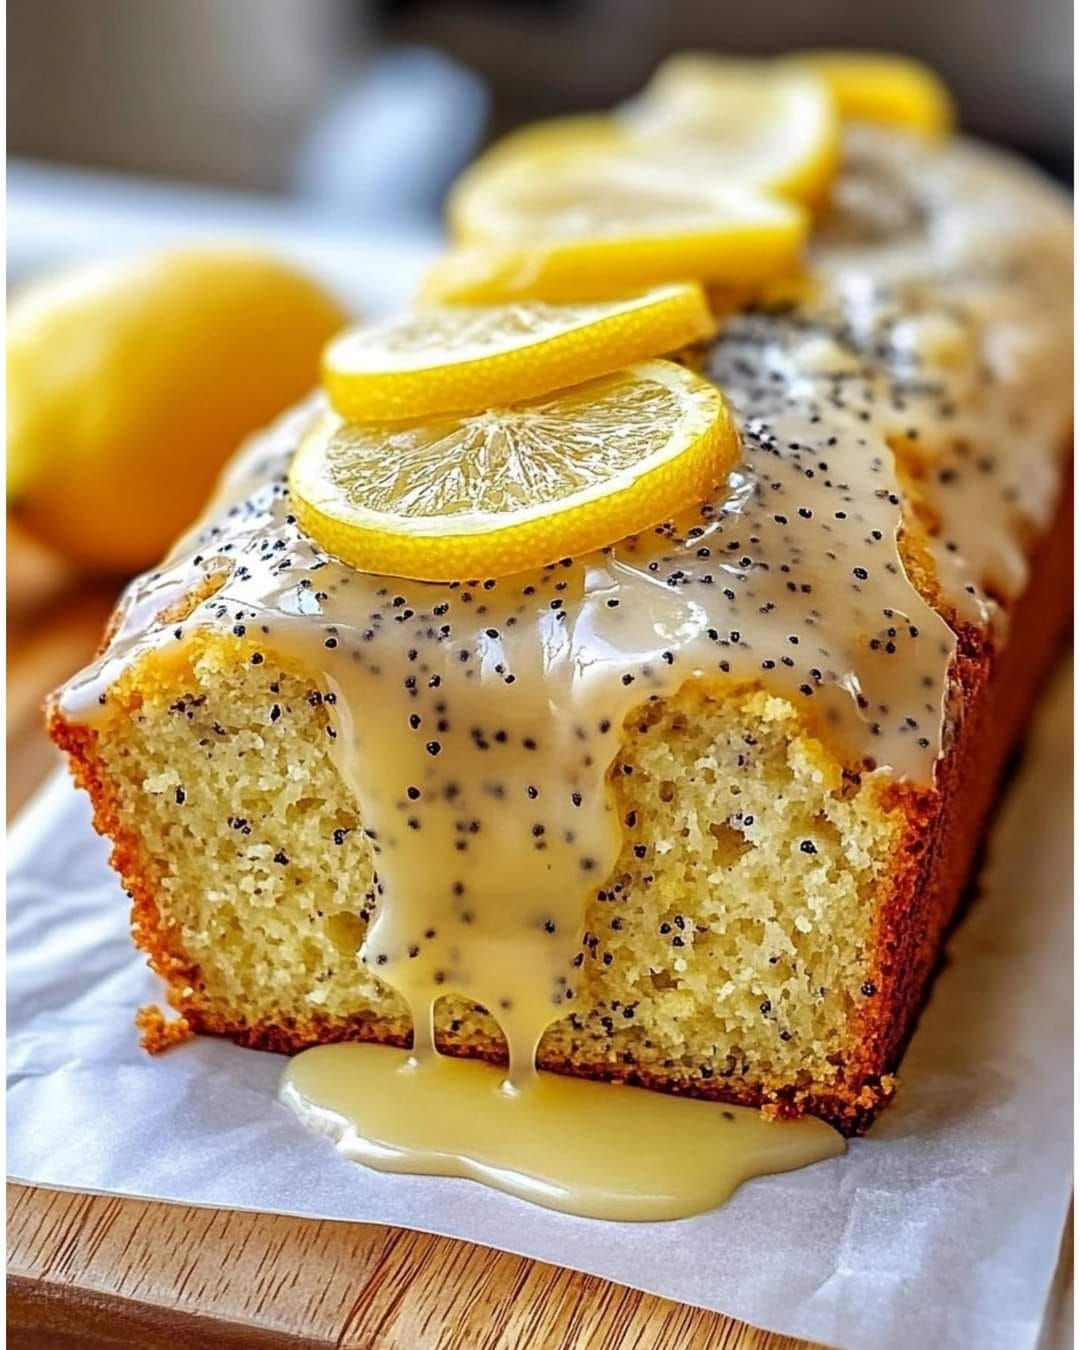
(359, 114)
(328, 131)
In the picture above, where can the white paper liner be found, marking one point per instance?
(941, 1229)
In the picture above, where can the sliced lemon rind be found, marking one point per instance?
(650, 324)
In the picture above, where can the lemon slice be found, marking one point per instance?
(462, 359)
(610, 226)
(515, 487)
(877, 87)
(759, 124)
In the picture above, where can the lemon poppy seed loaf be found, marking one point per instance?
(752, 749)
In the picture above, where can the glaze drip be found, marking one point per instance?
(591, 1149)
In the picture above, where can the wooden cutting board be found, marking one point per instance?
(97, 1271)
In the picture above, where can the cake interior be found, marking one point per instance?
(730, 949)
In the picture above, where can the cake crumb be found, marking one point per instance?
(158, 1032)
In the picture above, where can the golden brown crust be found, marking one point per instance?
(147, 928)
(158, 1033)
(993, 691)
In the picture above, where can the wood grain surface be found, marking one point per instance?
(95, 1270)
(90, 1272)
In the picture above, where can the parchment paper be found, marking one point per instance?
(940, 1230)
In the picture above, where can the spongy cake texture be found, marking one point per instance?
(732, 942)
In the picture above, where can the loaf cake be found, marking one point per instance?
(766, 735)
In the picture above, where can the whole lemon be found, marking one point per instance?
(130, 383)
